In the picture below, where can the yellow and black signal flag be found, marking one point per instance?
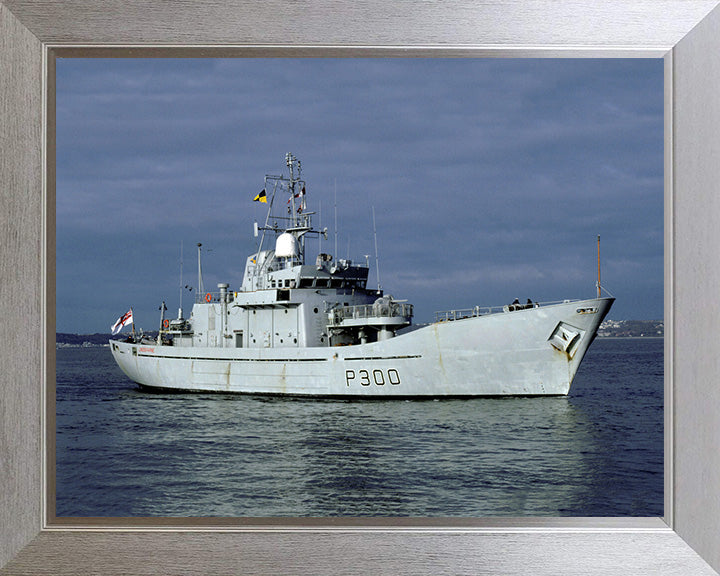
(262, 197)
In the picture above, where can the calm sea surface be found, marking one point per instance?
(597, 452)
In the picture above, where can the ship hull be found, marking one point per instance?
(535, 351)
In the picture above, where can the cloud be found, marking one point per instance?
(500, 171)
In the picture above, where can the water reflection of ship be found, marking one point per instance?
(485, 457)
(319, 330)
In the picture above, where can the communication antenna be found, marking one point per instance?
(320, 227)
(377, 260)
(335, 253)
(598, 262)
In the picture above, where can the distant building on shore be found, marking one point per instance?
(632, 329)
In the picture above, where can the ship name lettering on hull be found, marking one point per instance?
(367, 377)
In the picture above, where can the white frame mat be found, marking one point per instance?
(685, 33)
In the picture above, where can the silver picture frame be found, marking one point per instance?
(685, 33)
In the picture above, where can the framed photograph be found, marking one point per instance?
(644, 545)
(156, 154)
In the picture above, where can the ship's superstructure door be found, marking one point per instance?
(285, 327)
(272, 326)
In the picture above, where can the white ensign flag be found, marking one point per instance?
(124, 320)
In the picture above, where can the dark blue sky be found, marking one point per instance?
(491, 178)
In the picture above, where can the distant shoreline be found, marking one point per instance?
(631, 337)
(620, 329)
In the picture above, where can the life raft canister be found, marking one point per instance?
(208, 297)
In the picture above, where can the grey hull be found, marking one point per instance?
(535, 351)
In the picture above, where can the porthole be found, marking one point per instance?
(315, 310)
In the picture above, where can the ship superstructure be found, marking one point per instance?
(318, 330)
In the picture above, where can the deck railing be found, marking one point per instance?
(392, 310)
(213, 297)
(459, 314)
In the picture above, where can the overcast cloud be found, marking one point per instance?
(491, 179)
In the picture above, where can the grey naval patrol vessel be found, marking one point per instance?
(317, 329)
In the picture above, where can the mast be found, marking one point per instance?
(200, 282)
(296, 192)
(291, 162)
(297, 221)
(180, 313)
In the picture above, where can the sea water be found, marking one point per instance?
(597, 452)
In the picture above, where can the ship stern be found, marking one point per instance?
(125, 355)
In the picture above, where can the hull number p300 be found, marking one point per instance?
(368, 377)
